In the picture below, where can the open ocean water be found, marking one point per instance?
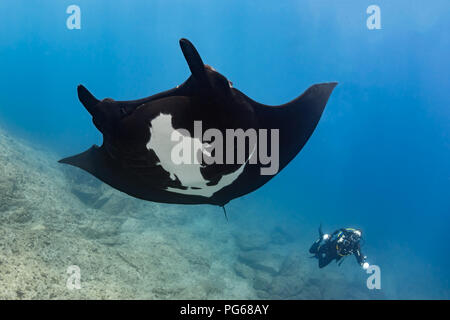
(379, 159)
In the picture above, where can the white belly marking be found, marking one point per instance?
(161, 131)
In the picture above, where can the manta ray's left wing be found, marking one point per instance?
(296, 120)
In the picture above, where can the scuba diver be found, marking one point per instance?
(338, 245)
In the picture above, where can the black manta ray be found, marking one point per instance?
(135, 156)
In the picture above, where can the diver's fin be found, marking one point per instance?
(320, 231)
(340, 262)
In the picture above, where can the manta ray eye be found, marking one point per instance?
(230, 84)
(207, 66)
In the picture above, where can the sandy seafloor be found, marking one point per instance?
(53, 216)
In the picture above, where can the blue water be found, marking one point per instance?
(379, 158)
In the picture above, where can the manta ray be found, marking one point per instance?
(140, 138)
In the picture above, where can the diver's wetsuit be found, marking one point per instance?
(341, 243)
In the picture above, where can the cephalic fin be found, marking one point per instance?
(87, 99)
(193, 59)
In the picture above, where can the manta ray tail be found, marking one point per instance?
(225, 212)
